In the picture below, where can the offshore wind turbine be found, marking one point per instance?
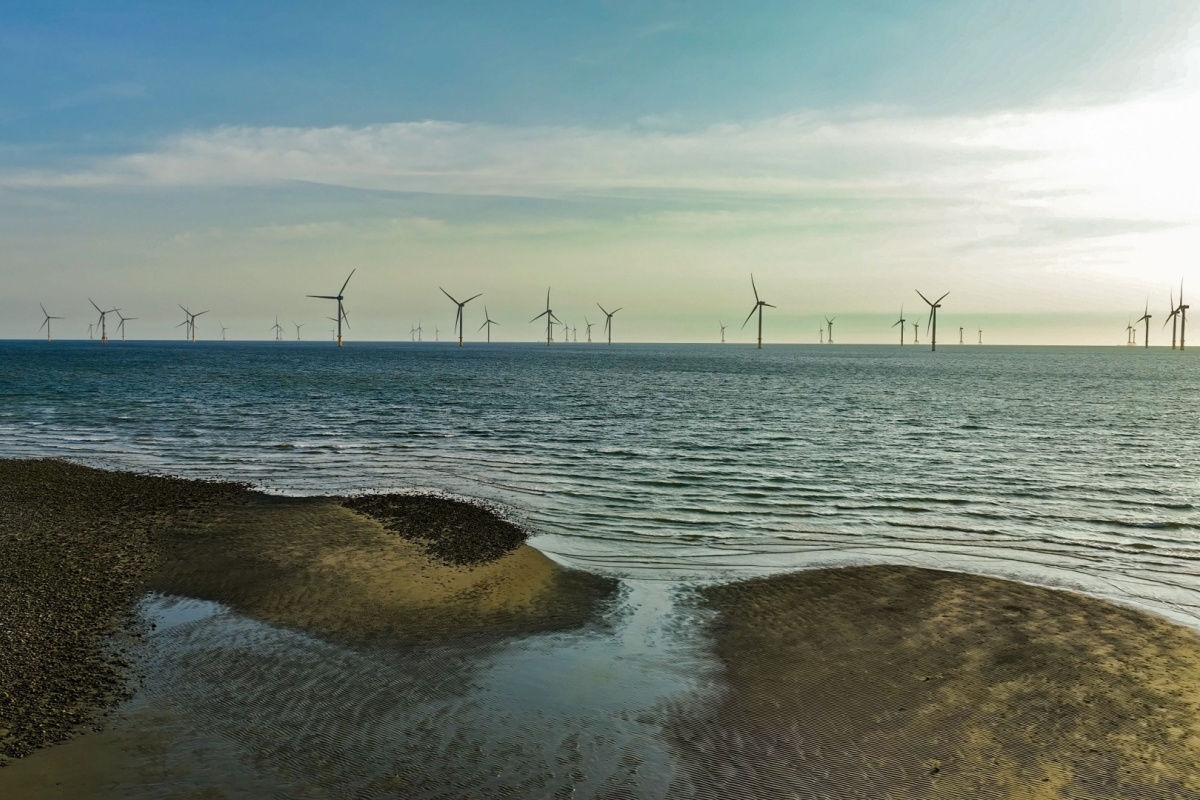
(189, 333)
(758, 306)
(223, 329)
(278, 329)
(419, 329)
(821, 335)
(458, 317)
(488, 322)
(916, 327)
(298, 327)
(723, 327)
(960, 331)
(590, 325)
(101, 323)
(1183, 309)
(933, 307)
(90, 327)
(46, 323)
(341, 312)
(829, 322)
(121, 325)
(900, 322)
(550, 319)
(1173, 318)
(608, 320)
(1129, 329)
(1145, 317)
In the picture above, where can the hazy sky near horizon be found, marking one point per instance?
(1036, 160)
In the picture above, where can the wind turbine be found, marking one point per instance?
(590, 325)
(1183, 309)
(189, 333)
(46, 323)
(758, 306)
(90, 327)
(223, 329)
(101, 323)
(1173, 318)
(121, 325)
(1129, 329)
(278, 329)
(458, 317)
(960, 331)
(298, 327)
(575, 333)
(829, 322)
(341, 312)
(435, 333)
(608, 320)
(488, 322)
(821, 334)
(1146, 318)
(550, 319)
(419, 330)
(933, 307)
(723, 327)
(981, 335)
(916, 327)
(900, 322)
(412, 333)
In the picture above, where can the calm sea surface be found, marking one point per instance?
(1064, 466)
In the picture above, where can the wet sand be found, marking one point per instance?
(78, 546)
(373, 654)
(911, 683)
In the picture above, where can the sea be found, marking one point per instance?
(1060, 466)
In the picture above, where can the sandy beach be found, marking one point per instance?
(876, 681)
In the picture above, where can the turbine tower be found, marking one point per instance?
(829, 322)
(121, 325)
(900, 322)
(1183, 309)
(608, 320)
(101, 323)
(341, 312)
(550, 319)
(758, 306)
(933, 307)
(46, 323)
(1146, 318)
(1173, 318)
(723, 327)
(458, 317)
(488, 322)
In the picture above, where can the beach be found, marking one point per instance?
(383, 621)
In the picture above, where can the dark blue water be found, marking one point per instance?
(1065, 466)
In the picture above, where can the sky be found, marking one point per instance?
(1035, 160)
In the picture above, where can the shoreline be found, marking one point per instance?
(79, 546)
(837, 680)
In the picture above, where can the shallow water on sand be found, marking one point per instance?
(1065, 466)
(232, 705)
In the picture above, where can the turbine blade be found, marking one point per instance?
(539, 316)
(448, 295)
(768, 305)
(618, 309)
(601, 308)
(45, 322)
(93, 302)
(751, 314)
(322, 296)
(469, 299)
(348, 277)
(943, 297)
(923, 297)
(481, 327)
(43, 310)
(755, 288)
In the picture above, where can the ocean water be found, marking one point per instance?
(1072, 467)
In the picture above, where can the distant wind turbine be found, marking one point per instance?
(1146, 318)
(981, 335)
(550, 319)
(916, 326)
(960, 332)
(223, 329)
(278, 329)
(758, 306)
(101, 323)
(46, 323)
(1183, 309)
(1173, 318)
(488, 322)
(341, 312)
(608, 320)
(436, 333)
(91, 326)
(298, 327)
(121, 325)
(1129, 330)
(933, 307)
(900, 322)
(419, 330)
(829, 322)
(590, 325)
(458, 317)
(189, 332)
(723, 327)
(821, 334)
